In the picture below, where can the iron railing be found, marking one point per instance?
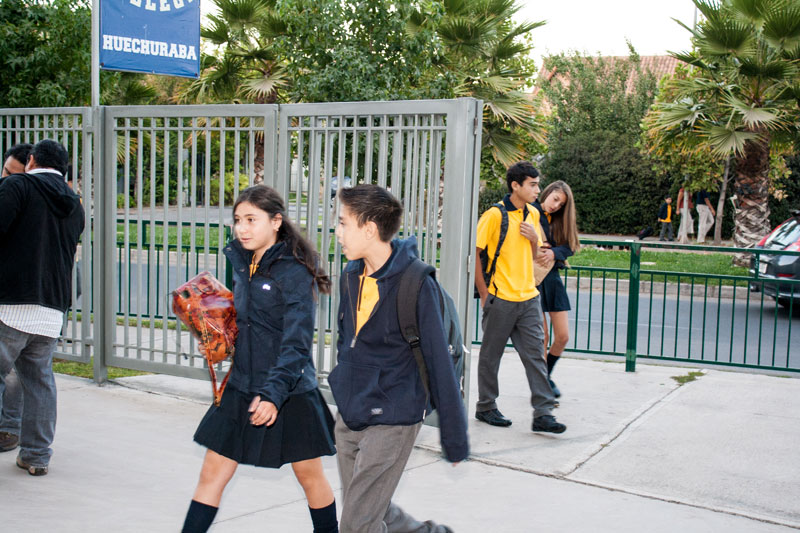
(693, 317)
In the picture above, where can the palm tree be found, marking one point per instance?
(743, 96)
(484, 53)
(244, 66)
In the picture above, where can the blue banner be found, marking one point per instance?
(154, 36)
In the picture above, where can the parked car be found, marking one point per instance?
(777, 267)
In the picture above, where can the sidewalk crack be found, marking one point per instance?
(635, 419)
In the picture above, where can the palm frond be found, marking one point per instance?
(709, 9)
(682, 113)
(504, 145)
(726, 36)
(218, 32)
(242, 13)
(512, 107)
(724, 141)
(750, 11)
(775, 70)
(782, 27)
(690, 58)
(756, 116)
(262, 88)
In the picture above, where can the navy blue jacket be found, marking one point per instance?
(275, 317)
(376, 380)
(561, 251)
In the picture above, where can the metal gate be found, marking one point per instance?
(170, 175)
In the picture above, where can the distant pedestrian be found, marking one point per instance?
(706, 214)
(665, 217)
(559, 225)
(41, 220)
(686, 227)
(272, 412)
(14, 161)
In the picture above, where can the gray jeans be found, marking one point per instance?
(11, 400)
(522, 322)
(371, 463)
(32, 356)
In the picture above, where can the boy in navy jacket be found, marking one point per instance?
(376, 383)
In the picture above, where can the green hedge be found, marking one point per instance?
(616, 192)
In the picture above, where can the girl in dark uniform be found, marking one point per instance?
(557, 208)
(271, 412)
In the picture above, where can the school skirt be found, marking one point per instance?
(303, 430)
(553, 295)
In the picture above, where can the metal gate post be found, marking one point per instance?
(633, 307)
(104, 234)
(459, 213)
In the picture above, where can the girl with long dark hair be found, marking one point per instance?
(557, 207)
(272, 411)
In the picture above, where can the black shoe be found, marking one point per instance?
(8, 441)
(548, 424)
(493, 417)
(32, 470)
(556, 392)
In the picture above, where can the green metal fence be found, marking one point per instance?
(692, 317)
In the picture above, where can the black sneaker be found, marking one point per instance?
(32, 470)
(8, 441)
(556, 392)
(493, 417)
(548, 424)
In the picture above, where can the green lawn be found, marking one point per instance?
(703, 263)
(84, 370)
(172, 235)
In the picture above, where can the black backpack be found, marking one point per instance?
(408, 293)
(488, 276)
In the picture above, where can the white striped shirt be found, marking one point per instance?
(33, 319)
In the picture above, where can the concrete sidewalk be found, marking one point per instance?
(642, 453)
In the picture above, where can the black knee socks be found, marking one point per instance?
(199, 518)
(324, 519)
(551, 362)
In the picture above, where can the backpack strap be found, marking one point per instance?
(500, 241)
(408, 293)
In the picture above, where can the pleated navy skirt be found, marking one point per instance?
(303, 430)
(553, 294)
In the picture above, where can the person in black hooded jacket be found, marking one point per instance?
(41, 220)
(272, 411)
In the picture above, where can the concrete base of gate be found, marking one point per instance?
(641, 453)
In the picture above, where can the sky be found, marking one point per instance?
(594, 26)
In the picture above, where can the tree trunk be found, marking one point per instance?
(258, 160)
(752, 191)
(721, 203)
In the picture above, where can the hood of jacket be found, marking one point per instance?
(60, 199)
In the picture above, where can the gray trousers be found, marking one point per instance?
(371, 463)
(32, 356)
(665, 227)
(522, 322)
